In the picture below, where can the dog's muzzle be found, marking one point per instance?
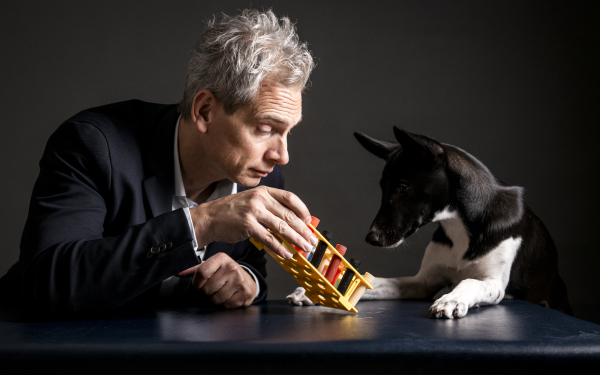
(373, 238)
(386, 238)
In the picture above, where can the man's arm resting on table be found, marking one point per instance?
(68, 267)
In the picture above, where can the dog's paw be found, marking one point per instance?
(448, 307)
(299, 298)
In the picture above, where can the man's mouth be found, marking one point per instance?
(261, 173)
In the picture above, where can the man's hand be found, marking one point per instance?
(225, 281)
(240, 216)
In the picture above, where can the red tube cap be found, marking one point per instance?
(341, 249)
(314, 221)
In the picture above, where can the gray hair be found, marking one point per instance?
(233, 56)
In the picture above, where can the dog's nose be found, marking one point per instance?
(372, 238)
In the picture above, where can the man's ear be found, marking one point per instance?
(382, 149)
(203, 107)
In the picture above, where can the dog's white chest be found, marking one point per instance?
(449, 262)
(450, 258)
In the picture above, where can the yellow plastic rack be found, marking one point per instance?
(318, 288)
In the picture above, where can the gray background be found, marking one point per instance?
(515, 83)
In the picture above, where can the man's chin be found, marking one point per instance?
(248, 182)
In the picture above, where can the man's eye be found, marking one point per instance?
(402, 189)
(265, 130)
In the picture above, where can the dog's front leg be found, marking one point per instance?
(412, 287)
(468, 293)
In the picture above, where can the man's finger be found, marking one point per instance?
(249, 299)
(235, 300)
(223, 277)
(223, 294)
(285, 222)
(189, 272)
(282, 228)
(205, 270)
(291, 201)
(227, 281)
(269, 240)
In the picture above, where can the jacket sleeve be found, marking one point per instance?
(68, 266)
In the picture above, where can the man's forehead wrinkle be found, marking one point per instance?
(268, 103)
(283, 107)
(278, 111)
(283, 100)
(270, 91)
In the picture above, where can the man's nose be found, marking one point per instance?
(279, 153)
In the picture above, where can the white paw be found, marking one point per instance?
(299, 298)
(448, 306)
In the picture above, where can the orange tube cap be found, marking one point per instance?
(314, 221)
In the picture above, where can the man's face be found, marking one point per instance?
(247, 145)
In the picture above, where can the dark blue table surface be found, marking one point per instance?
(274, 337)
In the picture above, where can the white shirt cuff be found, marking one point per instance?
(191, 225)
(255, 279)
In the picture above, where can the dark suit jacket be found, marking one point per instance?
(102, 200)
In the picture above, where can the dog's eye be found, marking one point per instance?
(402, 189)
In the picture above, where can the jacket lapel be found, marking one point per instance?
(158, 188)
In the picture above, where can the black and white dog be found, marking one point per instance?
(489, 245)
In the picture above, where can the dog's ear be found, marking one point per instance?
(381, 149)
(418, 143)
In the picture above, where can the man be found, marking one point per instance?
(138, 201)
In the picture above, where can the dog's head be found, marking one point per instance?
(414, 185)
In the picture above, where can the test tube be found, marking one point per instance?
(323, 267)
(334, 265)
(337, 277)
(360, 290)
(348, 275)
(321, 249)
(324, 263)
